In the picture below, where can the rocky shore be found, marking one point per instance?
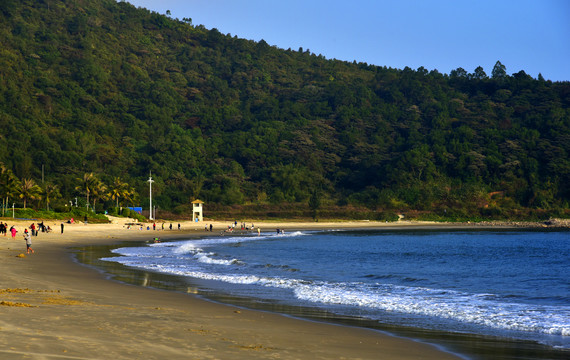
(551, 223)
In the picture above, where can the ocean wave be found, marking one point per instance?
(208, 258)
(479, 309)
(220, 240)
(196, 248)
(487, 310)
(370, 293)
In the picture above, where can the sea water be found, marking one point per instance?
(504, 284)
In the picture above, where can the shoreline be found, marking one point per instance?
(53, 307)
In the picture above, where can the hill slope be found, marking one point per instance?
(101, 86)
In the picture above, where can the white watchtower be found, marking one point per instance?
(197, 213)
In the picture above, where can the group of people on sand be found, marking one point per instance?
(244, 227)
(34, 231)
(4, 229)
(27, 237)
(41, 227)
(141, 227)
(170, 226)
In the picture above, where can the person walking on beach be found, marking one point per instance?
(171, 226)
(178, 226)
(62, 228)
(13, 231)
(28, 239)
(211, 228)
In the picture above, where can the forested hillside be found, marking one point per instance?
(100, 87)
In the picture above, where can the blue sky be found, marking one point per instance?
(533, 36)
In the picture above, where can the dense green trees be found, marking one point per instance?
(103, 88)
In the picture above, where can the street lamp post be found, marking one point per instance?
(150, 181)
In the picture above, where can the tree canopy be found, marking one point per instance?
(101, 87)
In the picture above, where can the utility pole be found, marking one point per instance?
(150, 181)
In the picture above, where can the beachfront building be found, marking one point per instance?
(197, 213)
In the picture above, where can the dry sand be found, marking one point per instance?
(54, 308)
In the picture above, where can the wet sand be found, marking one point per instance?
(53, 308)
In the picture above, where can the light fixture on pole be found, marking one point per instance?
(150, 181)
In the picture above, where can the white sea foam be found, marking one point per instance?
(452, 305)
(196, 247)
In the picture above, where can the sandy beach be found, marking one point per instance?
(53, 308)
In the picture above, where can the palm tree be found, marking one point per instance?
(29, 190)
(51, 191)
(8, 186)
(130, 196)
(98, 192)
(86, 184)
(118, 190)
